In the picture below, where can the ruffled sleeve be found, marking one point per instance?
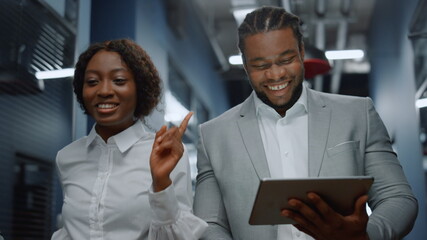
(61, 234)
(173, 219)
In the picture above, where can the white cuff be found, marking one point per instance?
(164, 205)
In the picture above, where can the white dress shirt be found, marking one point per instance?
(285, 141)
(108, 192)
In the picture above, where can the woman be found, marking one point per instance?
(120, 181)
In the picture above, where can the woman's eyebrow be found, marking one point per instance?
(119, 69)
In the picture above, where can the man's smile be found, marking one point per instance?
(278, 87)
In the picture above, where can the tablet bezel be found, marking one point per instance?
(273, 194)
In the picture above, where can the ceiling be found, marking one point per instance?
(327, 25)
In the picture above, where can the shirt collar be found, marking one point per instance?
(300, 105)
(92, 136)
(125, 139)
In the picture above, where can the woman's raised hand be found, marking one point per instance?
(166, 152)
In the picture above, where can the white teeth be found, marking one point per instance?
(278, 87)
(106, 105)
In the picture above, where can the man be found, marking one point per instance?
(285, 130)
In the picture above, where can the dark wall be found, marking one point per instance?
(112, 20)
(35, 116)
(35, 125)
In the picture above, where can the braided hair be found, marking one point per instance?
(267, 19)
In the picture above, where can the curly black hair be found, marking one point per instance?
(147, 80)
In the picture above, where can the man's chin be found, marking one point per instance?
(280, 107)
(273, 104)
(283, 105)
(277, 104)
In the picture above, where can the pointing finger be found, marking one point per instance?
(184, 123)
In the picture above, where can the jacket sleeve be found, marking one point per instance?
(208, 203)
(394, 207)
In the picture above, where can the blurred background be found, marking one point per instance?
(193, 43)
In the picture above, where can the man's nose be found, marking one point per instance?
(275, 72)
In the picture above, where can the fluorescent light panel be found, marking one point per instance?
(344, 54)
(235, 60)
(420, 103)
(331, 55)
(61, 73)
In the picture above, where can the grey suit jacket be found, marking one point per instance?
(345, 137)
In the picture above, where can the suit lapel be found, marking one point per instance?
(249, 130)
(319, 118)
(250, 133)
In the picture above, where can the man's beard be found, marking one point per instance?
(294, 98)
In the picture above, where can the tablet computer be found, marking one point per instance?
(273, 195)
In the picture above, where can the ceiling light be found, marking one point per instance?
(420, 103)
(235, 60)
(60, 73)
(344, 54)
